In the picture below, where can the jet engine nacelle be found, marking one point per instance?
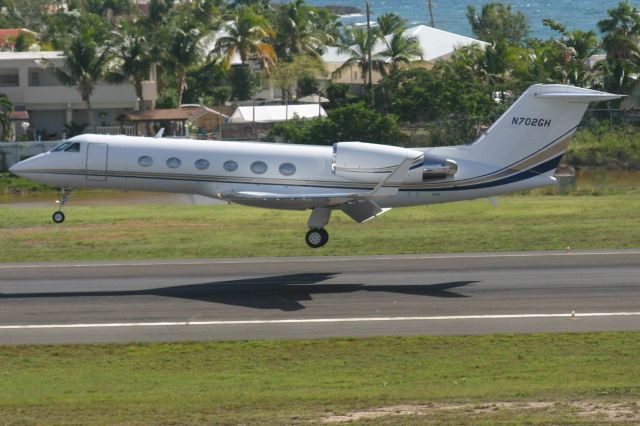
(367, 162)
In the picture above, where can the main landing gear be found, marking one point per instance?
(65, 193)
(317, 236)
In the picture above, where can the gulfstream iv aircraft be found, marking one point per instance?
(520, 151)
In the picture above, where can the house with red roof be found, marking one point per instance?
(8, 37)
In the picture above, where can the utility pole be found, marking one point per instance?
(433, 23)
(369, 52)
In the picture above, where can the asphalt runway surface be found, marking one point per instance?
(317, 297)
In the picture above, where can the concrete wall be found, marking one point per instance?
(12, 152)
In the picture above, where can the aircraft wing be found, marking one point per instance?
(359, 206)
(291, 201)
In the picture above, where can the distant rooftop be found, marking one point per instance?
(435, 44)
(8, 36)
(24, 56)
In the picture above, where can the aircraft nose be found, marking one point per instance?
(15, 169)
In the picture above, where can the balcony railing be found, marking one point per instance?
(112, 130)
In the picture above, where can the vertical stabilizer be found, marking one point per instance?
(537, 128)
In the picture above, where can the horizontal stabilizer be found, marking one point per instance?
(580, 97)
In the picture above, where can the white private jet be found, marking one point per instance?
(519, 152)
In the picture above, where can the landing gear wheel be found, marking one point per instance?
(58, 217)
(316, 238)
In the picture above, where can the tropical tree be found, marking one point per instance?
(88, 55)
(497, 22)
(183, 51)
(132, 58)
(286, 74)
(621, 41)
(355, 44)
(9, 18)
(6, 107)
(492, 66)
(111, 9)
(390, 23)
(577, 46)
(400, 49)
(298, 31)
(249, 35)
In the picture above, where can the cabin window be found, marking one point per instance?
(61, 147)
(173, 163)
(202, 164)
(74, 147)
(230, 166)
(258, 167)
(287, 169)
(67, 147)
(145, 161)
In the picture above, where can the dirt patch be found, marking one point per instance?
(588, 410)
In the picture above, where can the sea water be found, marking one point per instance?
(451, 15)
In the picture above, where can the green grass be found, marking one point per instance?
(10, 184)
(282, 382)
(176, 232)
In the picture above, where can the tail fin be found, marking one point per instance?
(537, 128)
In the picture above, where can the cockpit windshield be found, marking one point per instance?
(67, 147)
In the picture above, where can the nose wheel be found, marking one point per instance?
(58, 217)
(316, 238)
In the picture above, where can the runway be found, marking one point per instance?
(316, 297)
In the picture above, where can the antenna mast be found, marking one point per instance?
(369, 50)
(433, 23)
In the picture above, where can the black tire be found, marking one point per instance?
(316, 238)
(58, 217)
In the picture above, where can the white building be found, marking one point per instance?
(276, 113)
(435, 44)
(50, 104)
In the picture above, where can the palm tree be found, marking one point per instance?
(621, 42)
(183, 51)
(356, 44)
(249, 35)
(577, 47)
(401, 49)
(87, 59)
(298, 32)
(6, 108)
(390, 23)
(132, 53)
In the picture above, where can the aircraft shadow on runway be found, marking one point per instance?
(284, 292)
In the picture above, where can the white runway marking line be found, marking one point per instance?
(326, 259)
(315, 320)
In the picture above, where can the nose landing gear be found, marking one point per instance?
(58, 217)
(65, 193)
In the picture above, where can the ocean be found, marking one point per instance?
(450, 15)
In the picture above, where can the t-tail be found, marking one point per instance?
(524, 147)
(534, 133)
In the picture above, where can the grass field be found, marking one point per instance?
(174, 232)
(551, 379)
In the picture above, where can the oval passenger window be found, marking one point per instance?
(258, 167)
(287, 169)
(145, 161)
(173, 163)
(202, 164)
(230, 166)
